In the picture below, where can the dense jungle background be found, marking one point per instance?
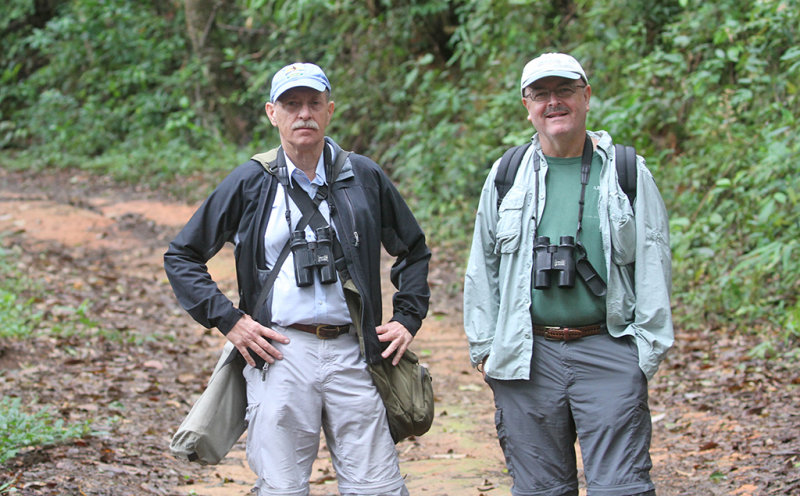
(109, 102)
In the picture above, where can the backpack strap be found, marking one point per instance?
(625, 158)
(507, 170)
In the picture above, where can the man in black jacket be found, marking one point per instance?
(305, 370)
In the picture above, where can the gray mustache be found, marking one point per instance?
(309, 124)
(559, 108)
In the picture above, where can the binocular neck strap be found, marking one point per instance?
(586, 166)
(283, 178)
(306, 205)
(310, 207)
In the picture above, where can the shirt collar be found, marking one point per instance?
(300, 176)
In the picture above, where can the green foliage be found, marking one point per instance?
(706, 91)
(18, 315)
(19, 319)
(101, 79)
(21, 428)
(732, 181)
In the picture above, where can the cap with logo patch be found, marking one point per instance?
(297, 75)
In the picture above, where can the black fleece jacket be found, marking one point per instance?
(368, 212)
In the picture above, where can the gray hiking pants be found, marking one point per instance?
(321, 384)
(590, 388)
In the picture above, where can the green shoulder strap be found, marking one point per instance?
(268, 160)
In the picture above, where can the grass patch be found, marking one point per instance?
(18, 316)
(22, 429)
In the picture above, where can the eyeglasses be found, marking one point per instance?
(562, 93)
(294, 106)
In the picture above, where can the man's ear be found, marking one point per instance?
(588, 96)
(269, 108)
(527, 110)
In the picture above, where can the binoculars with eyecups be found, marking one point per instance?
(313, 256)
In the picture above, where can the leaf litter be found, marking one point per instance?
(132, 363)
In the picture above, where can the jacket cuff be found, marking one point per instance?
(229, 320)
(409, 322)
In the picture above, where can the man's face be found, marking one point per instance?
(557, 107)
(301, 116)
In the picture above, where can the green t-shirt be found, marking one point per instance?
(575, 306)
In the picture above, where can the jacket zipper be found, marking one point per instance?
(352, 217)
(353, 275)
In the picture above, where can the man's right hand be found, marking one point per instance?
(248, 334)
(482, 366)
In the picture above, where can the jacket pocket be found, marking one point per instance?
(623, 231)
(509, 221)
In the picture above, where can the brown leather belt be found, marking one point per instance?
(323, 331)
(568, 333)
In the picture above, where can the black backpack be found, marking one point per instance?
(509, 163)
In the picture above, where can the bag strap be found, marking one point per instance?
(308, 213)
(273, 274)
(308, 207)
(269, 161)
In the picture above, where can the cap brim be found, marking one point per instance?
(564, 74)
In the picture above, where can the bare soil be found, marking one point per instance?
(724, 422)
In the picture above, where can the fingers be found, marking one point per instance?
(398, 338)
(274, 335)
(482, 366)
(248, 335)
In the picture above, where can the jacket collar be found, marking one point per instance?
(272, 156)
(602, 140)
(347, 168)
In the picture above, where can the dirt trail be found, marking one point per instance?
(723, 423)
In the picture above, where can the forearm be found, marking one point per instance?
(197, 292)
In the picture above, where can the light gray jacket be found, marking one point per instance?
(497, 285)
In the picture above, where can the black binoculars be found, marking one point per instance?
(561, 259)
(313, 256)
(549, 258)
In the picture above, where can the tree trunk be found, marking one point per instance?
(221, 83)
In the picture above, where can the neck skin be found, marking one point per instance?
(566, 146)
(305, 158)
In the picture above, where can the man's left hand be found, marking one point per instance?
(398, 338)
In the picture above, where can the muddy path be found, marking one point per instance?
(132, 362)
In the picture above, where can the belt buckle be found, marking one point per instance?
(553, 333)
(325, 332)
(562, 333)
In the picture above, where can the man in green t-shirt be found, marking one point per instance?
(566, 299)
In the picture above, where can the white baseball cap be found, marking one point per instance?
(295, 75)
(551, 64)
